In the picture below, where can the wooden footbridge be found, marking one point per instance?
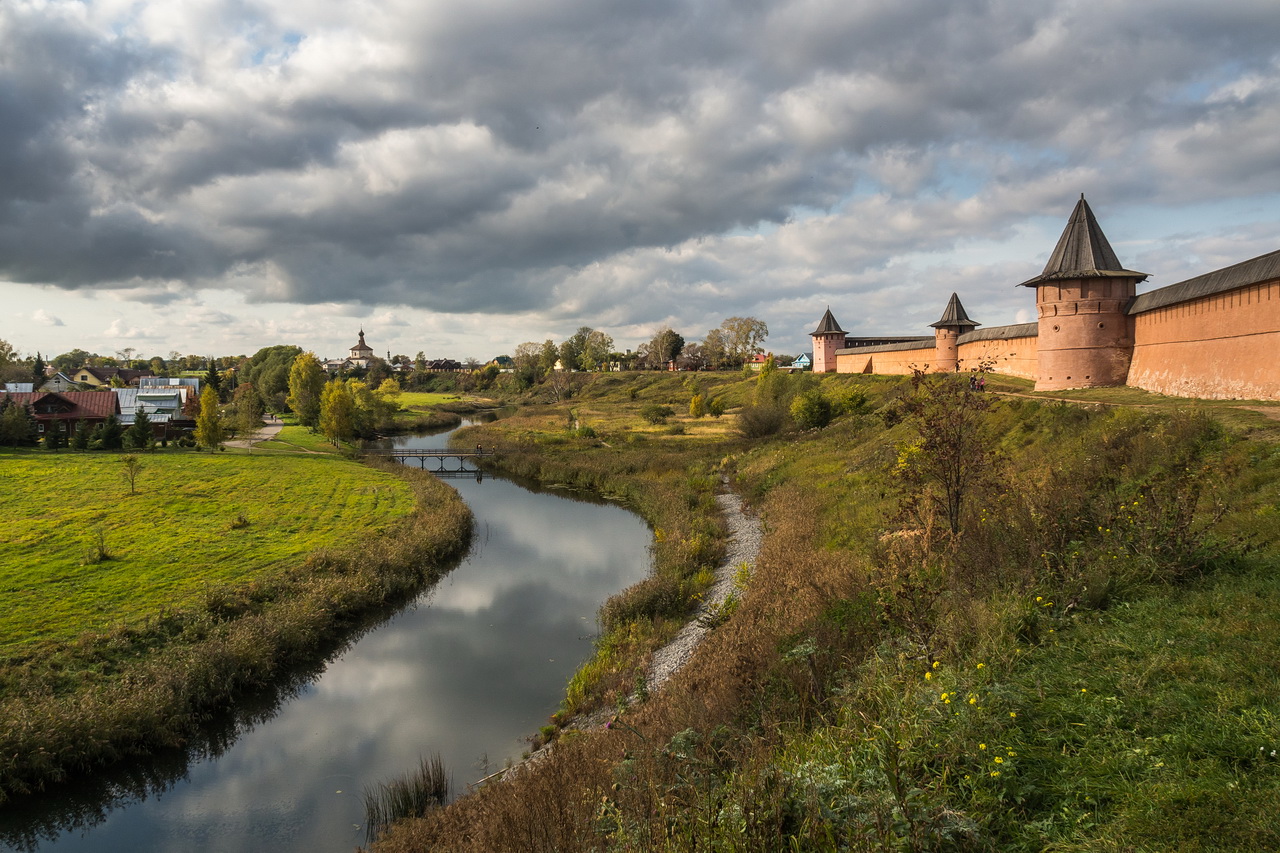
(445, 461)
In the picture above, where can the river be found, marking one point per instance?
(469, 670)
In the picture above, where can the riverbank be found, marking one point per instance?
(73, 706)
(1067, 667)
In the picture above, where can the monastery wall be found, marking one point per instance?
(886, 359)
(1219, 346)
(1010, 350)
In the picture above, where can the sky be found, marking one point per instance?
(460, 176)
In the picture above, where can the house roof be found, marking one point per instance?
(1262, 268)
(1082, 252)
(827, 325)
(20, 387)
(955, 315)
(83, 404)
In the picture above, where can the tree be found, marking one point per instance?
(139, 436)
(80, 438)
(37, 371)
(569, 355)
(72, 360)
(548, 357)
(212, 379)
(596, 346)
(209, 432)
(714, 349)
(742, 338)
(247, 405)
(306, 382)
(665, 347)
(337, 412)
(268, 370)
(17, 424)
(952, 455)
(110, 433)
(132, 467)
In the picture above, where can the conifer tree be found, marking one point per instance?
(111, 433)
(80, 439)
(139, 436)
(212, 379)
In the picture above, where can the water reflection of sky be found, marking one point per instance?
(477, 665)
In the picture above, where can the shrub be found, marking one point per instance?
(761, 421)
(811, 410)
(656, 414)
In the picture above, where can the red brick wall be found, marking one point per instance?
(1223, 346)
(1012, 357)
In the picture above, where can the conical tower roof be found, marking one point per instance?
(1082, 252)
(828, 325)
(955, 315)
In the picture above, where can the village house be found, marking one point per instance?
(60, 412)
(1212, 336)
(100, 377)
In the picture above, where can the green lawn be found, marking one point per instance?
(180, 535)
(297, 438)
(421, 399)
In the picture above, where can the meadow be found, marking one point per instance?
(135, 615)
(1085, 663)
(81, 553)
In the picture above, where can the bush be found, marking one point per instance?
(761, 421)
(811, 410)
(656, 414)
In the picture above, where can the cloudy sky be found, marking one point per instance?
(459, 176)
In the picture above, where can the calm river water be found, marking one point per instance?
(473, 667)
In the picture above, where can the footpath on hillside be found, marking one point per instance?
(745, 538)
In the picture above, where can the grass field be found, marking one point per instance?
(292, 439)
(425, 399)
(198, 520)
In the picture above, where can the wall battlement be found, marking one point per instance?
(1213, 336)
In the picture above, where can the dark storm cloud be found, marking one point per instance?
(584, 160)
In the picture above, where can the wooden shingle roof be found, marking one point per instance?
(1082, 252)
(828, 325)
(955, 315)
(1262, 268)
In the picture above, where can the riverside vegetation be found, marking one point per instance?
(133, 618)
(977, 623)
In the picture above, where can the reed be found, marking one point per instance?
(412, 795)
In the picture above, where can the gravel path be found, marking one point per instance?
(745, 537)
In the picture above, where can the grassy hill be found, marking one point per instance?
(1078, 654)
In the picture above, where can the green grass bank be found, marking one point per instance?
(1076, 654)
(139, 614)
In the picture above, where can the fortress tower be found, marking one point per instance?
(1085, 338)
(827, 338)
(946, 335)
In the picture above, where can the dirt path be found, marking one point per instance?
(745, 537)
(267, 432)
